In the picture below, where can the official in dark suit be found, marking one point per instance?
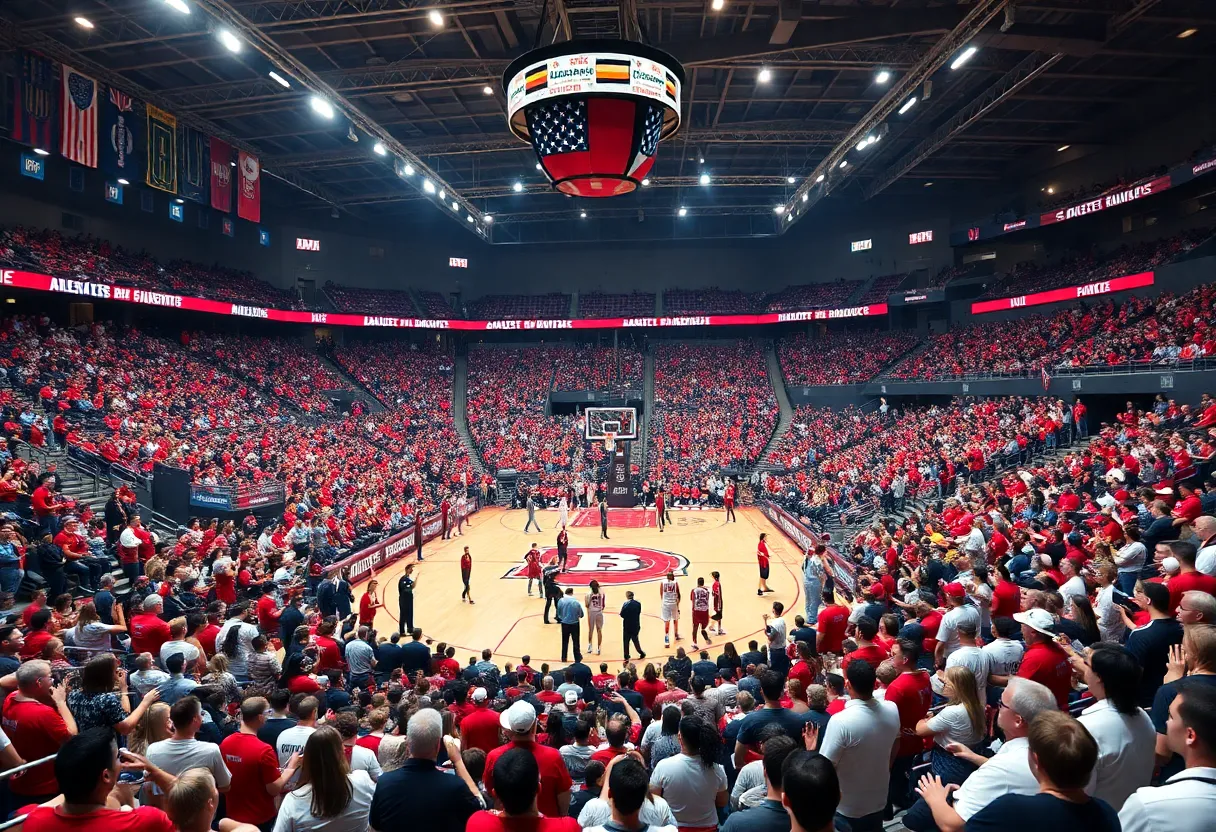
(346, 597)
(631, 622)
(291, 618)
(603, 518)
(327, 595)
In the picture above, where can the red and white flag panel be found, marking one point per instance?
(78, 117)
(221, 175)
(249, 187)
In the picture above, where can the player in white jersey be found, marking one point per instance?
(563, 511)
(669, 609)
(700, 612)
(595, 603)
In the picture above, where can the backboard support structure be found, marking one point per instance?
(622, 422)
(616, 427)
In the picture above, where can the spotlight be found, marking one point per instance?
(517, 187)
(844, 164)
(455, 205)
(469, 218)
(232, 163)
(779, 210)
(765, 76)
(583, 214)
(928, 185)
(789, 179)
(805, 196)
(84, 22)
(487, 90)
(539, 166)
(1062, 148)
(380, 149)
(42, 152)
(488, 218)
(178, 5)
(123, 182)
(409, 169)
(428, 186)
(963, 57)
(882, 77)
(280, 80)
(1050, 190)
(701, 160)
(683, 212)
(1186, 33)
(717, 5)
(321, 107)
(180, 201)
(789, 217)
(704, 180)
(435, 17)
(646, 182)
(231, 42)
(443, 195)
(908, 105)
(864, 143)
(818, 179)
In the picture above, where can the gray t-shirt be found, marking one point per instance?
(576, 758)
(359, 655)
(690, 789)
(177, 756)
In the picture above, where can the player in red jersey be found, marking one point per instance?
(532, 559)
(660, 507)
(728, 500)
(700, 612)
(466, 571)
(669, 607)
(763, 562)
(717, 595)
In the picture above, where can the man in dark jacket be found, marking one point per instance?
(631, 623)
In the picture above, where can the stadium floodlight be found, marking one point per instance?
(180, 201)
(42, 152)
(443, 195)
(818, 179)
(790, 180)
(469, 217)
(765, 75)
(789, 217)
(779, 210)
(683, 212)
(963, 57)
(455, 205)
(380, 149)
(178, 6)
(321, 107)
(704, 180)
(908, 105)
(280, 80)
(646, 182)
(517, 187)
(864, 143)
(487, 90)
(488, 218)
(882, 77)
(123, 182)
(844, 163)
(435, 17)
(428, 186)
(1186, 33)
(583, 214)
(1062, 148)
(409, 169)
(805, 196)
(718, 5)
(83, 22)
(231, 42)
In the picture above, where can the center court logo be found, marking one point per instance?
(610, 565)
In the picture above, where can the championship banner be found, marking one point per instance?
(196, 167)
(78, 117)
(1102, 287)
(1110, 199)
(121, 135)
(249, 187)
(34, 102)
(162, 150)
(221, 175)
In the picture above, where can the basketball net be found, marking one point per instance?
(609, 442)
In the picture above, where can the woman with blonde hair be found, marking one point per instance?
(153, 726)
(956, 727)
(90, 632)
(797, 692)
(330, 796)
(219, 677)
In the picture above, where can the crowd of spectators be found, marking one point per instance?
(435, 305)
(370, 301)
(554, 305)
(710, 302)
(881, 288)
(602, 305)
(597, 368)
(812, 296)
(714, 409)
(85, 257)
(841, 357)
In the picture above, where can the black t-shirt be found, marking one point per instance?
(706, 670)
(803, 634)
(754, 724)
(753, 657)
(1161, 711)
(1151, 645)
(416, 790)
(269, 733)
(1019, 812)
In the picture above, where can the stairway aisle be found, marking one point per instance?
(643, 447)
(460, 412)
(785, 411)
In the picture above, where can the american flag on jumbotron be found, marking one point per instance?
(574, 136)
(78, 118)
(1046, 379)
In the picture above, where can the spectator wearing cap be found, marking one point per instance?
(479, 728)
(1151, 643)
(1006, 772)
(959, 609)
(1184, 802)
(1044, 661)
(518, 782)
(553, 797)
(148, 631)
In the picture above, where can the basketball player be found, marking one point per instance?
(563, 549)
(595, 603)
(563, 510)
(466, 571)
(717, 593)
(660, 507)
(700, 613)
(532, 559)
(603, 518)
(405, 599)
(728, 500)
(762, 561)
(669, 607)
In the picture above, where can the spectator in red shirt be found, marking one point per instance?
(912, 694)
(37, 729)
(148, 630)
(1188, 577)
(867, 651)
(268, 610)
(1044, 661)
(832, 624)
(254, 765)
(38, 634)
(553, 797)
(479, 728)
(518, 779)
(368, 604)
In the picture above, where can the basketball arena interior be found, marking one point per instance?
(397, 314)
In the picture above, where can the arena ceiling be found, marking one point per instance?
(777, 94)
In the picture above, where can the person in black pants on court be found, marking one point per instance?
(405, 599)
(553, 592)
(603, 518)
(631, 623)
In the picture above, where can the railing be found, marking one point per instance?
(20, 819)
(1125, 367)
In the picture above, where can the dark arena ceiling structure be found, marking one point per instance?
(785, 103)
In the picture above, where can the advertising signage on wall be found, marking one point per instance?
(458, 262)
(1085, 290)
(305, 244)
(861, 245)
(917, 298)
(97, 290)
(1113, 198)
(915, 238)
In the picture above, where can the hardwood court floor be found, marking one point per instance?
(509, 622)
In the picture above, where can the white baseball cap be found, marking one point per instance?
(571, 697)
(518, 718)
(1037, 619)
(479, 695)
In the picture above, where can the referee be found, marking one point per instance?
(603, 518)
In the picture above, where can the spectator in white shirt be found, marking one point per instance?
(628, 796)
(1008, 772)
(970, 656)
(330, 796)
(146, 677)
(1074, 583)
(235, 639)
(1124, 732)
(961, 722)
(947, 632)
(859, 741)
(1110, 620)
(1004, 655)
(1185, 802)
(183, 752)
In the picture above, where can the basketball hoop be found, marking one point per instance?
(609, 441)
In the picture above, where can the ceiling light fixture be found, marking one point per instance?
(1062, 148)
(718, 5)
(704, 180)
(231, 42)
(864, 143)
(517, 187)
(1186, 33)
(1050, 190)
(882, 77)
(42, 152)
(409, 169)
(280, 80)
(469, 217)
(435, 17)
(321, 106)
(443, 195)
(819, 178)
(583, 214)
(683, 212)
(844, 163)
(789, 217)
(178, 5)
(487, 90)
(380, 149)
(780, 209)
(908, 105)
(539, 166)
(790, 180)
(928, 184)
(646, 182)
(805, 196)
(84, 22)
(455, 205)
(963, 57)
(765, 76)
(123, 182)
(180, 201)
(428, 186)
(487, 218)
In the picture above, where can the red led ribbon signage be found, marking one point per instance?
(1102, 287)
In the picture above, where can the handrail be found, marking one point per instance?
(26, 766)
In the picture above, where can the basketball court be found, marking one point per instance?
(636, 557)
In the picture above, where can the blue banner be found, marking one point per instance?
(263, 236)
(177, 212)
(114, 193)
(33, 166)
(121, 143)
(196, 166)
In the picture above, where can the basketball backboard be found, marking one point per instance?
(621, 421)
